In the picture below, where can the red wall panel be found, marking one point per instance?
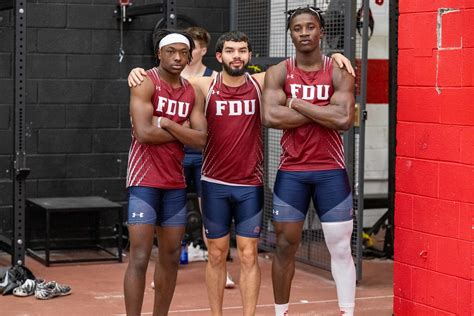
(377, 81)
(467, 145)
(456, 182)
(406, 139)
(420, 104)
(457, 106)
(437, 142)
(434, 182)
(467, 34)
(452, 29)
(417, 177)
(404, 214)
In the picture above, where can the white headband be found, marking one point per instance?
(173, 38)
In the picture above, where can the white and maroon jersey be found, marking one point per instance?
(234, 150)
(160, 166)
(311, 146)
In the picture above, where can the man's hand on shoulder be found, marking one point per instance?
(342, 62)
(136, 77)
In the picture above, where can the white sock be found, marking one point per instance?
(281, 309)
(347, 310)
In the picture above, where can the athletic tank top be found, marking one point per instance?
(234, 150)
(160, 166)
(188, 150)
(311, 146)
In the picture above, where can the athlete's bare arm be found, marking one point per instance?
(136, 75)
(275, 112)
(339, 114)
(202, 83)
(141, 112)
(340, 60)
(196, 136)
(260, 78)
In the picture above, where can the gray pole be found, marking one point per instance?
(349, 52)
(19, 150)
(171, 15)
(363, 118)
(392, 124)
(233, 15)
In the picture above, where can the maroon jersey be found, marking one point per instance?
(160, 166)
(234, 149)
(311, 146)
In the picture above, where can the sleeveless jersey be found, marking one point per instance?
(160, 166)
(234, 150)
(311, 146)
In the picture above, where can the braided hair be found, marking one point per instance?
(159, 34)
(317, 12)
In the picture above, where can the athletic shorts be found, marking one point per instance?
(192, 171)
(221, 203)
(329, 189)
(161, 207)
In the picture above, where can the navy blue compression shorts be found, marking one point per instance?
(162, 207)
(221, 203)
(329, 189)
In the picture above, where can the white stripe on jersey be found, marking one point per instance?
(135, 174)
(209, 93)
(257, 87)
(204, 178)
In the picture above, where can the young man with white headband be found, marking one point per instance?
(232, 175)
(311, 100)
(162, 110)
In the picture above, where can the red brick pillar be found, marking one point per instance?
(434, 200)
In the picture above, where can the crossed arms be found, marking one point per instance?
(282, 113)
(145, 126)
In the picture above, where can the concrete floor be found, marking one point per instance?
(97, 290)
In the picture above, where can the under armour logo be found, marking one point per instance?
(292, 76)
(215, 92)
(207, 231)
(158, 88)
(137, 214)
(275, 212)
(257, 229)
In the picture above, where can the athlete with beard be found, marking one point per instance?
(232, 173)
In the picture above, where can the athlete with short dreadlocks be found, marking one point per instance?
(162, 110)
(312, 100)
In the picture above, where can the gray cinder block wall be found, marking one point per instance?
(77, 123)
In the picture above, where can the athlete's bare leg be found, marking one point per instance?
(141, 242)
(249, 273)
(283, 268)
(216, 272)
(166, 269)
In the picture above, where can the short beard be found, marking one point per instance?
(235, 72)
